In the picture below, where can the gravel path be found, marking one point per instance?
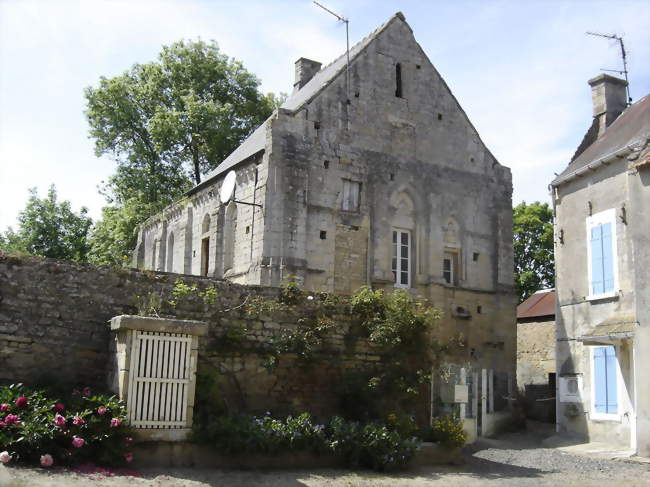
(513, 460)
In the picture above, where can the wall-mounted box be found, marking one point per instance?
(454, 393)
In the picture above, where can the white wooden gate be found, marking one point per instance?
(159, 380)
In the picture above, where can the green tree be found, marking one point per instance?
(167, 123)
(533, 248)
(49, 228)
(182, 114)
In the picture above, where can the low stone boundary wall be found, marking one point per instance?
(55, 328)
(185, 454)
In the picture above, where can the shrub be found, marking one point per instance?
(241, 433)
(446, 430)
(82, 427)
(372, 445)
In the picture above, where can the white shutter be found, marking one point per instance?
(159, 380)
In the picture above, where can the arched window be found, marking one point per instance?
(205, 245)
(170, 253)
(229, 236)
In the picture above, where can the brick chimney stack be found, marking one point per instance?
(609, 99)
(305, 70)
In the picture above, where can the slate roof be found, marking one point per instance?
(630, 128)
(540, 304)
(256, 142)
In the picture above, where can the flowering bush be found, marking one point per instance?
(371, 445)
(446, 430)
(39, 428)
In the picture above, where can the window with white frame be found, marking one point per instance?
(351, 192)
(401, 264)
(604, 373)
(601, 249)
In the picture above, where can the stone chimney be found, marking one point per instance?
(609, 99)
(305, 70)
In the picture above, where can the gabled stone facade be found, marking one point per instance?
(384, 182)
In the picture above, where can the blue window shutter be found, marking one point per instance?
(610, 361)
(600, 380)
(608, 258)
(597, 278)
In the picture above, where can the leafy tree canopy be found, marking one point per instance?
(182, 114)
(533, 248)
(49, 228)
(167, 123)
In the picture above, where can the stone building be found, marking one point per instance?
(602, 260)
(536, 354)
(367, 176)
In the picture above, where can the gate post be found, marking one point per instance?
(153, 369)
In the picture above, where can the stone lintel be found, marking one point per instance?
(165, 325)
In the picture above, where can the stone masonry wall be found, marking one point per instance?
(54, 326)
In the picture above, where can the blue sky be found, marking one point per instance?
(518, 68)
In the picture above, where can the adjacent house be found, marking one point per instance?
(602, 261)
(369, 174)
(536, 377)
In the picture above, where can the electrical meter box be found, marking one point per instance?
(454, 393)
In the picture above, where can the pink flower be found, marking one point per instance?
(21, 402)
(102, 411)
(11, 419)
(78, 442)
(4, 407)
(58, 407)
(128, 439)
(5, 457)
(2, 424)
(46, 460)
(77, 421)
(59, 420)
(86, 391)
(115, 422)
(75, 392)
(128, 457)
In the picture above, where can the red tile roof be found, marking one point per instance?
(542, 303)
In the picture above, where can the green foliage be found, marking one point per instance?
(395, 319)
(36, 433)
(371, 445)
(115, 235)
(446, 430)
(237, 433)
(49, 228)
(166, 123)
(182, 114)
(182, 291)
(532, 227)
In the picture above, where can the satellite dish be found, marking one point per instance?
(228, 187)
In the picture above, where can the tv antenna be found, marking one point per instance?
(615, 37)
(347, 46)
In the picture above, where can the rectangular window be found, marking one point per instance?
(351, 192)
(401, 264)
(605, 380)
(450, 268)
(601, 234)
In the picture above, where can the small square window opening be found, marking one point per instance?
(323, 234)
(475, 256)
